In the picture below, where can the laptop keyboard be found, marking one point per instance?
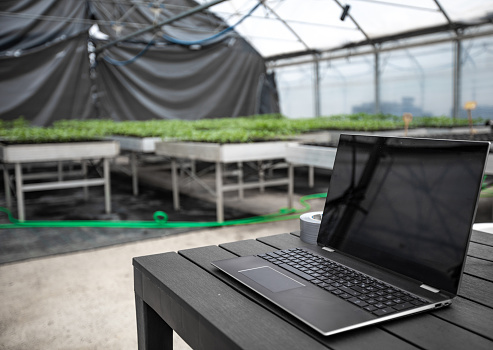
(370, 294)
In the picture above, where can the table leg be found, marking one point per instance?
(6, 184)
(290, 184)
(174, 184)
(219, 193)
(84, 172)
(107, 185)
(193, 167)
(240, 180)
(135, 174)
(20, 191)
(261, 176)
(311, 176)
(152, 331)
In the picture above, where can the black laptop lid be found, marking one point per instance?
(405, 204)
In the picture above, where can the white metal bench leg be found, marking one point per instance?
(135, 174)
(219, 193)
(290, 184)
(174, 184)
(6, 184)
(311, 176)
(84, 172)
(20, 191)
(240, 180)
(107, 185)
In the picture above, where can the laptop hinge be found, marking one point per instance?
(328, 249)
(431, 289)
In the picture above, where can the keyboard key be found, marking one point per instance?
(403, 306)
(384, 311)
(370, 308)
(357, 302)
(359, 289)
(349, 291)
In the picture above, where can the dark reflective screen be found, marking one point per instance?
(405, 204)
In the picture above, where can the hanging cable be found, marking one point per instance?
(132, 60)
(179, 42)
(215, 36)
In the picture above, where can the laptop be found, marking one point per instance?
(393, 237)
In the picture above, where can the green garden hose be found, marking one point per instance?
(161, 219)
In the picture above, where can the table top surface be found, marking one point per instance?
(208, 309)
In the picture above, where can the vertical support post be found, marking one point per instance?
(84, 174)
(240, 180)
(174, 184)
(261, 176)
(193, 168)
(457, 78)
(290, 184)
(316, 90)
(20, 191)
(219, 193)
(107, 185)
(135, 173)
(6, 185)
(377, 82)
(311, 176)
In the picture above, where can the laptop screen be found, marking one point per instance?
(405, 204)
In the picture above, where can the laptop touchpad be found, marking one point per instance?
(271, 279)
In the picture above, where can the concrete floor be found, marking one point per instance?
(85, 300)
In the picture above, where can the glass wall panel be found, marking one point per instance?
(417, 80)
(296, 90)
(477, 76)
(347, 86)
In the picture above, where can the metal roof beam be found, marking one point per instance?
(355, 23)
(443, 12)
(384, 39)
(287, 26)
(372, 51)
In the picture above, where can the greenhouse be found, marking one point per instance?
(213, 59)
(336, 152)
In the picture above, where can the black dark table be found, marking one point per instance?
(185, 293)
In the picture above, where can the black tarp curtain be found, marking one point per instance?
(46, 73)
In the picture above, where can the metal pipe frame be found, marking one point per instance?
(21, 188)
(457, 72)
